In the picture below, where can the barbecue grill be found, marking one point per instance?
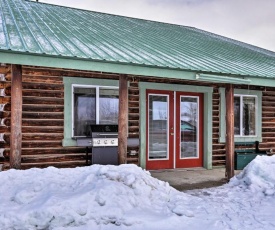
(102, 144)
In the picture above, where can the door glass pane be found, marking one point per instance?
(189, 127)
(84, 110)
(108, 106)
(158, 126)
(237, 115)
(249, 119)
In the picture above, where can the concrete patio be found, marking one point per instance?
(193, 178)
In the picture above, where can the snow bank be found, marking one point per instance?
(95, 196)
(257, 176)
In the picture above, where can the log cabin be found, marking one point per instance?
(180, 96)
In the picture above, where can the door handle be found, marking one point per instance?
(172, 134)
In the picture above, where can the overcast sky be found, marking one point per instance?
(250, 21)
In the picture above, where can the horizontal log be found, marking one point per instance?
(43, 115)
(133, 129)
(53, 157)
(42, 79)
(268, 109)
(133, 110)
(37, 136)
(5, 84)
(268, 129)
(37, 108)
(216, 102)
(35, 100)
(268, 103)
(5, 100)
(4, 69)
(268, 145)
(268, 134)
(132, 160)
(43, 100)
(56, 150)
(268, 93)
(4, 129)
(133, 135)
(43, 86)
(133, 116)
(133, 103)
(39, 85)
(268, 98)
(133, 91)
(42, 129)
(133, 122)
(268, 116)
(38, 93)
(4, 145)
(43, 108)
(37, 71)
(41, 144)
(37, 122)
(4, 114)
(268, 139)
(133, 98)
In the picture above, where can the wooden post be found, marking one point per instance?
(122, 119)
(229, 145)
(16, 117)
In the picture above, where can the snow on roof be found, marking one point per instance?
(35, 28)
(127, 197)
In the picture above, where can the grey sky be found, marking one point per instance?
(250, 21)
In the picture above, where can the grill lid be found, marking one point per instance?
(104, 128)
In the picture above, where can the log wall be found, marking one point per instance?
(43, 114)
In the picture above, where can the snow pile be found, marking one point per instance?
(127, 197)
(110, 196)
(258, 176)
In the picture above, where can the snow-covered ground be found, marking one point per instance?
(127, 197)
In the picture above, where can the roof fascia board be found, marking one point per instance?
(89, 65)
(222, 79)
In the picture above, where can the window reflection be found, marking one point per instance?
(158, 124)
(244, 115)
(88, 112)
(189, 125)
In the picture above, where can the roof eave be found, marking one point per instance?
(43, 60)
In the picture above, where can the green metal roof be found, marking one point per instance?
(49, 30)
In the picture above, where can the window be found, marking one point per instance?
(247, 115)
(94, 105)
(88, 101)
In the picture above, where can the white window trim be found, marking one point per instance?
(97, 87)
(222, 123)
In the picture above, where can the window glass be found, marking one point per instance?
(158, 126)
(189, 107)
(244, 115)
(94, 105)
(237, 115)
(108, 106)
(84, 110)
(249, 119)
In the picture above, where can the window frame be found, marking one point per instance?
(258, 112)
(69, 139)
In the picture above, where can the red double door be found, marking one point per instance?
(174, 129)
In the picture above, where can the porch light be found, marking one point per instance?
(222, 79)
